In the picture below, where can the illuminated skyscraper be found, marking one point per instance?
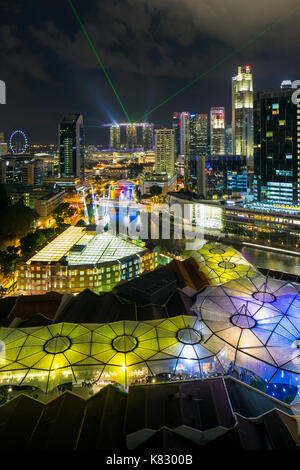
(176, 125)
(197, 151)
(3, 145)
(164, 151)
(184, 133)
(201, 134)
(228, 140)
(71, 146)
(276, 157)
(147, 135)
(131, 137)
(33, 172)
(115, 138)
(242, 113)
(217, 130)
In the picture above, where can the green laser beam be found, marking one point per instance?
(98, 59)
(222, 61)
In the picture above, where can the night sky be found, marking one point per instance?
(150, 48)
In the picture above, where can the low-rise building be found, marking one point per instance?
(45, 205)
(79, 258)
(166, 184)
(66, 182)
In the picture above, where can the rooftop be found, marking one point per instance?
(154, 295)
(192, 415)
(60, 246)
(80, 247)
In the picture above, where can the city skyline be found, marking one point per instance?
(150, 228)
(87, 90)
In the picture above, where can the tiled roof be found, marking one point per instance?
(28, 305)
(193, 414)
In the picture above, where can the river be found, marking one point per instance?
(256, 256)
(272, 260)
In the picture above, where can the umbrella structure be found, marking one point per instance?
(222, 263)
(122, 352)
(254, 324)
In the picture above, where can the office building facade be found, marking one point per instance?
(176, 126)
(276, 156)
(195, 178)
(79, 259)
(184, 133)
(131, 136)
(71, 146)
(217, 130)
(114, 137)
(242, 113)
(201, 133)
(147, 136)
(228, 140)
(165, 152)
(226, 174)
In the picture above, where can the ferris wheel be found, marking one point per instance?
(17, 142)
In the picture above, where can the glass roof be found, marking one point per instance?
(221, 263)
(121, 351)
(244, 321)
(81, 248)
(102, 248)
(56, 249)
(254, 323)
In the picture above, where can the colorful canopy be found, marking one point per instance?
(222, 263)
(119, 352)
(254, 324)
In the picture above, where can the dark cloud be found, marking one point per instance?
(17, 58)
(150, 48)
(170, 38)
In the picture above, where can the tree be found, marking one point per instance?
(8, 262)
(135, 169)
(16, 221)
(35, 239)
(60, 213)
(71, 211)
(90, 164)
(81, 223)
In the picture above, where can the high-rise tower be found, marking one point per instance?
(276, 156)
(242, 113)
(184, 133)
(115, 137)
(131, 136)
(71, 146)
(164, 152)
(176, 126)
(194, 173)
(147, 135)
(217, 130)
